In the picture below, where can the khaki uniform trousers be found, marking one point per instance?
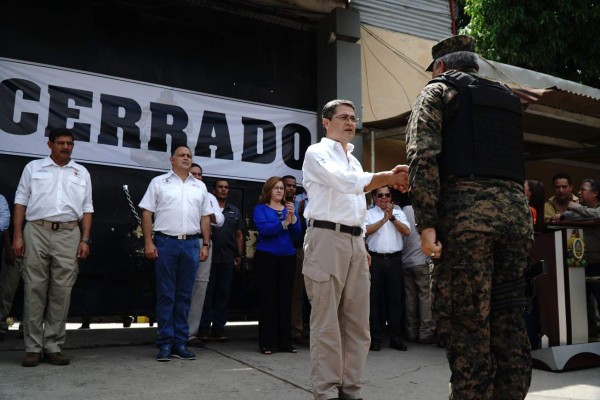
(50, 269)
(199, 294)
(419, 320)
(339, 321)
(298, 295)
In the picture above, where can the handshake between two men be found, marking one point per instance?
(397, 178)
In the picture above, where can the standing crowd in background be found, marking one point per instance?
(435, 252)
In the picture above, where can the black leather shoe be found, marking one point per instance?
(195, 342)
(375, 346)
(398, 345)
(57, 358)
(291, 349)
(31, 359)
(220, 335)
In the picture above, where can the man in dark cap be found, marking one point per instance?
(466, 174)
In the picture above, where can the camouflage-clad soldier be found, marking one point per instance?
(466, 174)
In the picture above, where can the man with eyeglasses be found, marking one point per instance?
(228, 247)
(335, 257)
(465, 152)
(386, 227)
(589, 207)
(203, 274)
(182, 212)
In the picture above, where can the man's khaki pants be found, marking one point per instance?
(339, 321)
(50, 270)
(198, 294)
(298, 295)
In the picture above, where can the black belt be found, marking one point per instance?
(353, 230)
(178, 237)
(385, 255)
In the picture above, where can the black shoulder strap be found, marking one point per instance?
(456, 78)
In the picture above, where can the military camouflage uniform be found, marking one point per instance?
(485, 229)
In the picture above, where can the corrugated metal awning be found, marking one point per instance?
(428, 19)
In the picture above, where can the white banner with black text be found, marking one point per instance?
(133, 124)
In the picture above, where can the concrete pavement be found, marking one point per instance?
(119, 363)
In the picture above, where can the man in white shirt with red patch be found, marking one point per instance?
(55, 197)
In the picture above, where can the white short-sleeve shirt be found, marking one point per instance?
(55, 193)
(177, 204)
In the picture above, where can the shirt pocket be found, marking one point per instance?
(76, 186)
(41, 183)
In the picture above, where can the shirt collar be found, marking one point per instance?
(172, 173)
(332, 144)
(49, 161)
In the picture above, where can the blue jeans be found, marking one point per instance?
(217, 296)
(176, 267)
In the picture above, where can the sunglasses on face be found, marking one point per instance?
(386, 195)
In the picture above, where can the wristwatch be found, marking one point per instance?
(207, 244)
(393, 218)
(86, 240)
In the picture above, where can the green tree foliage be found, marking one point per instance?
(556, 37)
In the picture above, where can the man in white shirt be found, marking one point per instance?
(181, 208)
(335, 258)
(386, 226)
(55, 196)
(203, 274)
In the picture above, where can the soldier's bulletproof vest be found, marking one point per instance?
(485, 135)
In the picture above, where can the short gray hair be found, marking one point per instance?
(594, 185)
(459, 60)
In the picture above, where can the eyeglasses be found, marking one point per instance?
(386, 195)
(278, 188)
(346, 118)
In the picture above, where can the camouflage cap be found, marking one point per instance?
(449, 45)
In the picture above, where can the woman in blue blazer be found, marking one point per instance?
(278, 226)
